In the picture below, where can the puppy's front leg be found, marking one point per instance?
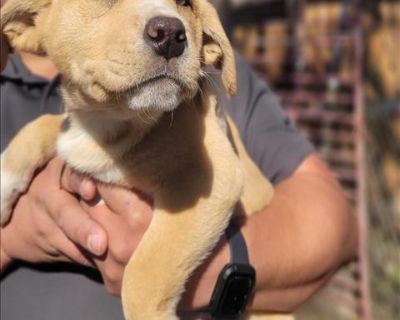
(33, 146)
(172, 248)
(177, 241)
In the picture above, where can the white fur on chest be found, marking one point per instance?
(80, 150)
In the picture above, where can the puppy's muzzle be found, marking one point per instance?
(167, 36)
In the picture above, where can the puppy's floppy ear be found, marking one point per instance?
(21, 22)
(217, 50)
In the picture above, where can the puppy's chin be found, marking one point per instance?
(159, 95)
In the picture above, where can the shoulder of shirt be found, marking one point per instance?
(16, 71)
(248, 75)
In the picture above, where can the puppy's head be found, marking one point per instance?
(139, 54)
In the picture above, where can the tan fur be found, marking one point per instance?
(254, 181)
(246, 40)
(18, 164)
(383, 50)
(319, 23)
(40, 143)
(179, 155)
(269, 317)
(213, 28)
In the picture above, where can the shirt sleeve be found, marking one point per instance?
(270, 138)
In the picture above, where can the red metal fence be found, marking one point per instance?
(313, 54)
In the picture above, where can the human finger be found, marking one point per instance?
(79, 184)
(76, 223)
(125, 201)
(51, 240)
(123, 233)
(113, 279)
(72, 252)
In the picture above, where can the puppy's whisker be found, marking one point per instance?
(141, 118)
(212, 72)
(211, 81)
(71, 110)
(146, 118)
(171, 119)
(149, 116)
(200, 90)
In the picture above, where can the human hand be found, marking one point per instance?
(48, 224)
(125, 215)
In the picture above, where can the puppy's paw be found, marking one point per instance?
(5, 213)
(154, 317)
(11, 188)
(6, 199)
(169, 317)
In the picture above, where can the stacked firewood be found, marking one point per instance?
(322, 46)
(384, 51)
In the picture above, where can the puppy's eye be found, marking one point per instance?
(184, 3)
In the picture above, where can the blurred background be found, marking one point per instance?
(335, 66)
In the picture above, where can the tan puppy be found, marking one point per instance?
(138, 114)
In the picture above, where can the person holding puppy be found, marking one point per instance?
(55, 221)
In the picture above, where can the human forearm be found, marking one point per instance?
(295, 244)
(313, 222)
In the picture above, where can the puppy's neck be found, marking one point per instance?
(106, 122)
(109, 127)
(93, 142)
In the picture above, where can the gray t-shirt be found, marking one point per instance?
(65, 292)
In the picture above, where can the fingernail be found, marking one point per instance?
(94, 244)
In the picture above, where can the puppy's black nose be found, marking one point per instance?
(167, 36)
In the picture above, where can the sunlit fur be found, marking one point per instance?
(119, 96)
